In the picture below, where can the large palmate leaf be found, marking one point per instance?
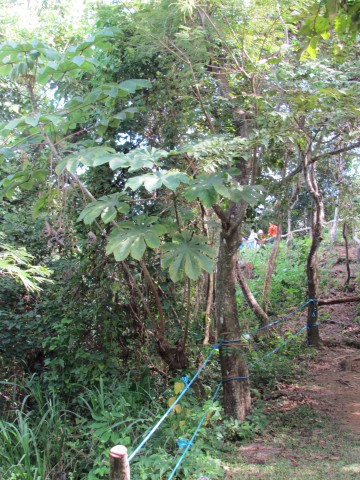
(207, 188)
(187, 256)
(132, 238)
(107, 206)
(152, 181)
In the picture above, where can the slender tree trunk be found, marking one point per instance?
(335, 225)
(210, 284)
(208, 308)
(237, 402)
(357, 241)
(290, 235)
(340, 178)
(345, 236)
(250, 299)
(270, 269)
(312, 260)
(292, 203)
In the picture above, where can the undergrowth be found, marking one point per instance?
(53, 426)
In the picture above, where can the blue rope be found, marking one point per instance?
(188, 384)
(282, 319)
(188, 444)
(278, 348)
(168, 411)
(268, 354)
(314, 313)
(233, 378)
(182, 443)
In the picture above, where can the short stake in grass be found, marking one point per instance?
(119, 464)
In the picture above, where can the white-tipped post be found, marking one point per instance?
(119, 464)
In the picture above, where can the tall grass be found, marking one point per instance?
(34, 436)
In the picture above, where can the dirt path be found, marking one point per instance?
(318, 449)
(333, 386)
(335, 372)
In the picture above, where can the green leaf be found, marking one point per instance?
(106, 207)
(78, 60)
(187, 256)
(126, 113)
(311, 49)
(153, 181)
(91, 157)
(252, 194)
(70, 164)
(145, 157)
(172, 179)
(119, 161)
(13, 124)
(108, 214)
(5, 69)
(135, 182)
(32, 120)
(134, 84)
(40, 174)
(132, 238)
(208, 188)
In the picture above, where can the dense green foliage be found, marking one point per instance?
(129, 136)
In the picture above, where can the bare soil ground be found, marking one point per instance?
(335, 372)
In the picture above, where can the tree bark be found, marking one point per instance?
(290, 235)
(237, 402)
(292, 203)
(313, 335)
(335, 301)
(345, 236)
(335, 225)
(208, 308)
(250, 299)
(357, 241)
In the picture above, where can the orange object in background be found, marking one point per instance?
(272, 232)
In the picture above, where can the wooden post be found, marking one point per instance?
(119, 464)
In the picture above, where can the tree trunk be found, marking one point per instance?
(312, 260)
(290, 235)
(270, 270)
(357, 241)
(335, 225)
(345, 236)
(237, 402)
(292, 203)
(208, 308)
(340, 178)
(210, 284)
(250, 299)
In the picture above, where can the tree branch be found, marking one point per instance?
(318, 157)
(221, 214)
